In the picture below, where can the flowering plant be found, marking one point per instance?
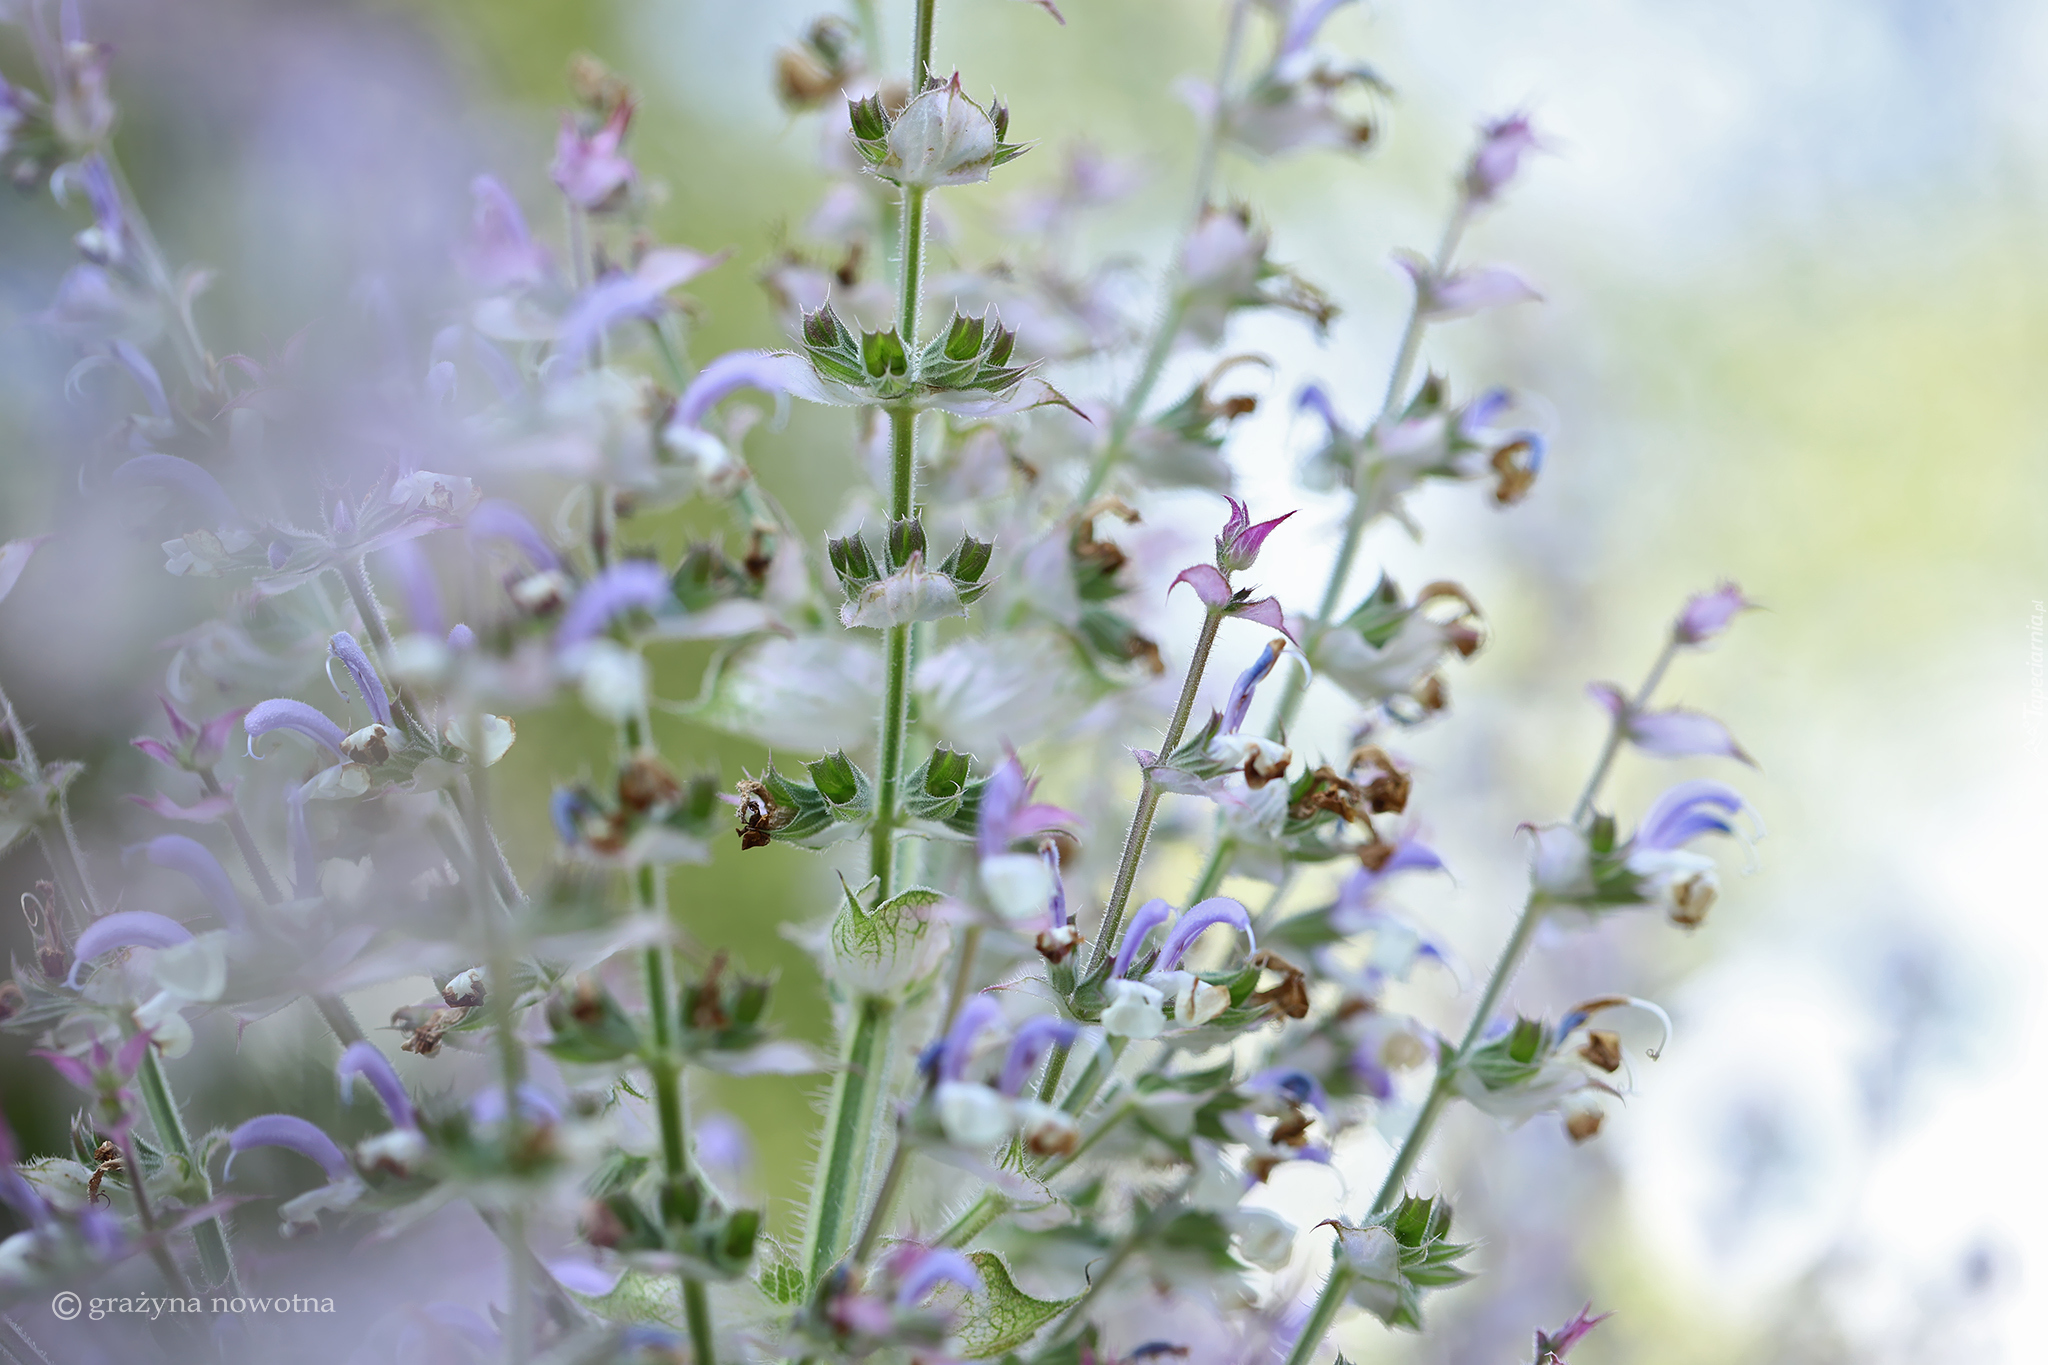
(1054, 1119)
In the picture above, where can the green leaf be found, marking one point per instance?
(1002, 1317)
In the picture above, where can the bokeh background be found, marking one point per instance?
(1795, 332)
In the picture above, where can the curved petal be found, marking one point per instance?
(293, 1132)
(349, 654)
(937, 1266)
(1207, 915)
(196, 860)
(496, 519)
(630, 585)
(976, 1017)
(184, 478)
(283, 713)
(777, 372)
(1207, 581)
(1150, 916)
(1676, 817)
(1033, 1039)
(363, 1059)
(125, 929)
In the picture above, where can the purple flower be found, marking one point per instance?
(1058, 906)
(1237, 547)
(629, 585)
(183, 480)
(16, 1192)
(1200, 918)
(495, 519)
(589, 167)
(976, 1017)
(199, 746)
(363, 1059)
(1151, 915)
(1502, 145)
(196, 861)
(1685, 812)
(1034, 1037)
(1464, 291)
(534, 1106)
(1672, 733)
(1208, 582)
(1240, 702)
(623, 296)
(1214, 590)
(1302, 25)
(294, 1133)
(204, 811)
(125, 929)
(1358, 898)
(1285, 1085)
(770, 371)
(923, 1269)
(1707, 614)
(500, 251)
(1552, 1347)
(344, 649)
(1008, 814)
(283, 713)
(416, 581)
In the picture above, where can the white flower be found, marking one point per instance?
(1374, 1259)
(337, 783)
(498, 734)
(913, 593)
(196, 971)
(1373, 674)
(1047, 1131)
(1134, 1011)
(941, 138)
(159, 1017)
(303, 1213)
(1195, 1001)
(399, 1151)
(343, 880)
(1264, 1238)
(973, 1115)
(426, 491)
(419, 660)
(1019, 885)
(1560, 863)
(611, 678)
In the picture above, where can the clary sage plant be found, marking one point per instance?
(1052, 1112)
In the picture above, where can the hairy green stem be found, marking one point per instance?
(1504, 969)
(1125, 418)
(856, 1097)
(216, 1261)
(1148, 799)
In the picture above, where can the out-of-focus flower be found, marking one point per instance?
(1018, 884)
(626, 295)
(1223, 268)
(1463, 292)
(589, 167)
(1672, 733)
(1707, 614)
(1502, 145)
(1553, 1347)
(501, 253)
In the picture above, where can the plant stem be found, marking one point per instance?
(1148, 800)
(1361, 497)
(1168, 330)
(216, 1261)
(855, 1097)
(1504, 969)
